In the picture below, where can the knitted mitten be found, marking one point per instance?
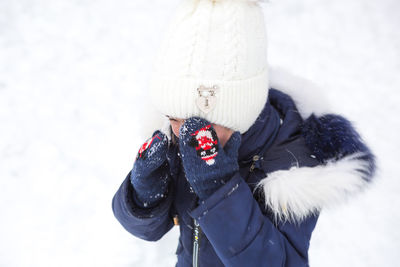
(150, 174)
(207, 164)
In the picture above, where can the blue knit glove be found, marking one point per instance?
(150, 175)
(207, 164)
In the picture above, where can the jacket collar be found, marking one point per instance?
(278, 121)
(261, 134)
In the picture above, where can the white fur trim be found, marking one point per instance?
(297, 193)
(308, 96)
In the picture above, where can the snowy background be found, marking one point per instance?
(72, 79)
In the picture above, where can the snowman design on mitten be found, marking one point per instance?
(205, 141)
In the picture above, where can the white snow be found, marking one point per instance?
(73, 76)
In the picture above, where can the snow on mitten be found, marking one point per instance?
(207, 164)
(150, 174)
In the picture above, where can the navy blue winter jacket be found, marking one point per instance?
(266, 213)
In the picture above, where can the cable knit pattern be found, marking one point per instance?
(203, 14)
(221, 43)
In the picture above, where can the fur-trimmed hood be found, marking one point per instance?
(345, 165)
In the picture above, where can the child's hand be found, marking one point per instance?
(207, 164)
(151, 154)
(149, 175)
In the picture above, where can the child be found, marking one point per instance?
(241, 168)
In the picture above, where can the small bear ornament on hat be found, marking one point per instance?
(212, 63)
(207, 98)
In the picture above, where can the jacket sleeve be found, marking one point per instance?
(243, 236)
(146, 223)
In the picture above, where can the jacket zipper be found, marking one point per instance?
(197, 229)
(196, 243)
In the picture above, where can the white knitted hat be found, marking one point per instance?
(213, 63)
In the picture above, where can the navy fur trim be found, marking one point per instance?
(332, 137)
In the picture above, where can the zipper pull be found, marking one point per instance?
(196, 243)
(253, 165)
(176, 219)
